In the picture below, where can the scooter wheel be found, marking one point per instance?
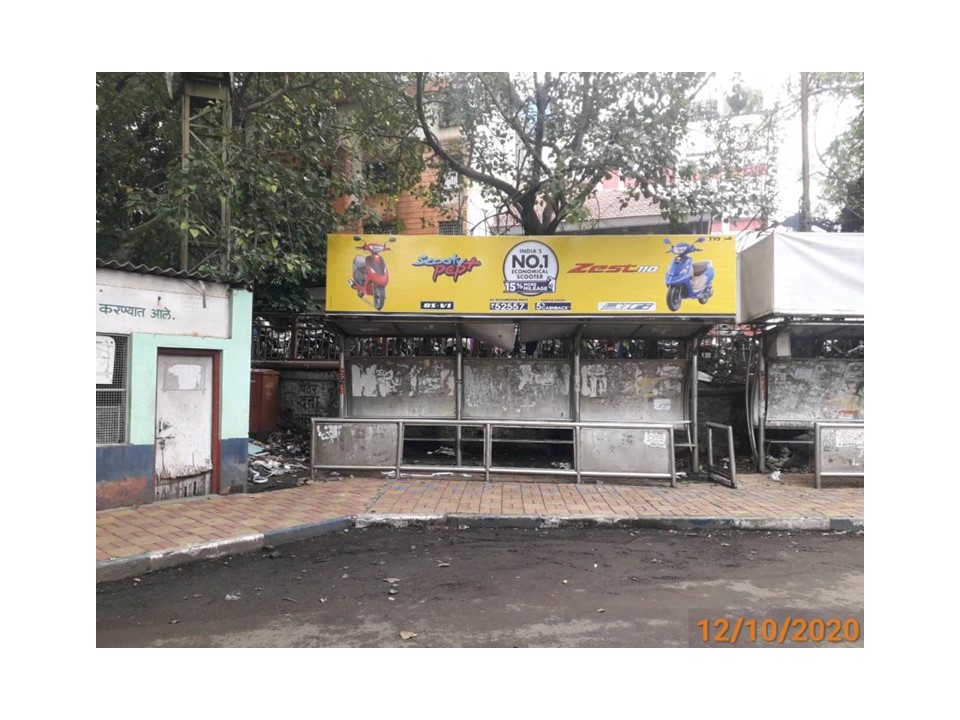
(379, 296)
(674, 297)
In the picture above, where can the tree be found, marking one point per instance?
(293, 172)
(539, 144)
(843, 185)
(841, 205)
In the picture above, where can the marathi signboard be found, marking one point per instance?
(134, 303)
(674, 275)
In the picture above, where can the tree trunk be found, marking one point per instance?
(804, 127)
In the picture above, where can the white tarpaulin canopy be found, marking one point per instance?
(786, 273)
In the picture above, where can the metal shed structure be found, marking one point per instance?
(803, 295)
(622, 416)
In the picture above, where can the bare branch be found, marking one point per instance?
(434, 144)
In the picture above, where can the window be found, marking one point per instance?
(379, 228)
(112, 352)
(450, 180)
(703, 109)
(450, 228)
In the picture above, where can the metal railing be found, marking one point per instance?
(728, 474)
(292, 337)
(488, 468)
(819, 472)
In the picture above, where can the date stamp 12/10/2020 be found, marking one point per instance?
(776, 629)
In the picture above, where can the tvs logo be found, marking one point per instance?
(530, 268)
(587, 267)
(453, 266)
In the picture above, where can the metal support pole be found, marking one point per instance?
(575, 380)
(185, 165)
(487, 450)
(576, 453)
(694, 388)
(816, 453)
(732, 457)
(399, 448)
(762, 409)
(294, 348)
(458, 397)
(225, 199)
(342, 377)
(576, 400)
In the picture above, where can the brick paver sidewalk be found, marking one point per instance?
(171, 525)
(756, 499)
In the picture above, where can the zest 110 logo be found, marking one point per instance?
(453, 266)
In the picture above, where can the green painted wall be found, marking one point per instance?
(235, 373)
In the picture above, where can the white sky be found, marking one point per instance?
(828, 119)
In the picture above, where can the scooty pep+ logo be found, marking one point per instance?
(453, 266)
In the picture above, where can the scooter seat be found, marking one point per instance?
(699, 268)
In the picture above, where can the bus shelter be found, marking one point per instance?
(802, 294)
(543, 348)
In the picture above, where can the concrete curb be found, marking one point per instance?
(463, 521)
(127, 567)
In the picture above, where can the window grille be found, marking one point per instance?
(112, 397)
(450, 228)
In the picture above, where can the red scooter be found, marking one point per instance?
(370, 276)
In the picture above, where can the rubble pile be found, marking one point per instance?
(280, 461)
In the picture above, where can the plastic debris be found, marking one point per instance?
(232, 596)
(775, 476)
(407, 634)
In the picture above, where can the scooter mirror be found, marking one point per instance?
(700, 240)
(666, 241)
(358, 238)
(392, 239)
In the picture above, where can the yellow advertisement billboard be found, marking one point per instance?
(673, 275)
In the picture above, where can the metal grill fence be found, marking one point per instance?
(112, 398)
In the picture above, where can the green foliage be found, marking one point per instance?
(539, 144)
(296, 145)
(843, 185)
(841, 205)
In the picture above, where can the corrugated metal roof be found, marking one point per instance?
(169, 272)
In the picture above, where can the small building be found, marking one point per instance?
(173, 384)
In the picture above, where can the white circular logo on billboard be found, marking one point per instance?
(530, 268)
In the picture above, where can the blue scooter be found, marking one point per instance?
(686, 278)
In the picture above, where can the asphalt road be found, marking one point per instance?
(567, 587)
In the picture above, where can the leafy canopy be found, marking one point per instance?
(538, 144)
